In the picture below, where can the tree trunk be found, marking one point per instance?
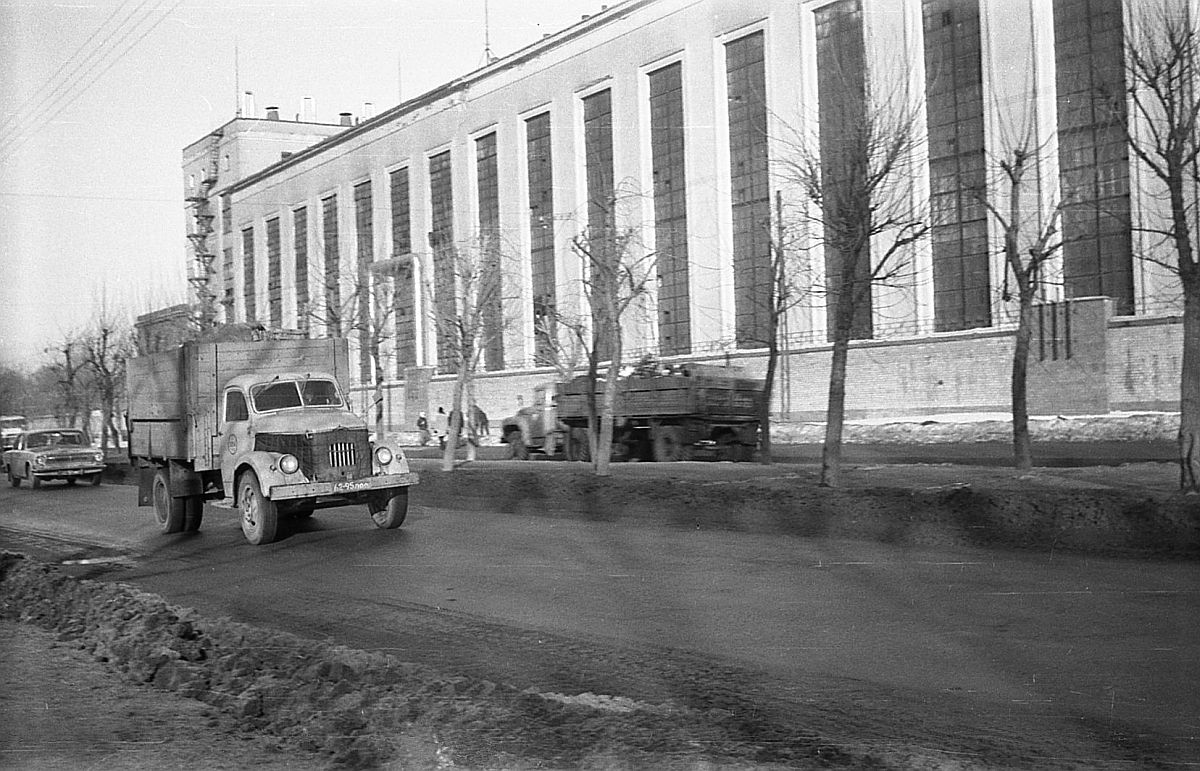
(1022, 448)
(1189, 390)
(764, 416)
(835, 412)
(455, 421)
(603, 455)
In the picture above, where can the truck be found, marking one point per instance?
(686, 412)
(262, 427)
(11, 427)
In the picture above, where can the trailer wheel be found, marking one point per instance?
(389, 515)
(193, 513)
(167, 510)
(260, 516)
(516, 445)
(669, 445)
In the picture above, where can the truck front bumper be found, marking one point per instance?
(347, 488)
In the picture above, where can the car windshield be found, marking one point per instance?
(290, 393)
(17, 423)
(56, 439)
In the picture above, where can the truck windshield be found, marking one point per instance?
(290, 393)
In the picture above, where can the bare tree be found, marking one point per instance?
(1162, 74)
(467, 306)
(107, 345)
(860, 210)
(617, 271)
(71, 377)
(1031, 240)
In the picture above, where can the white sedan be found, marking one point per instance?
(56, 453)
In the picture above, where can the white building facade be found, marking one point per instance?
(681, 111)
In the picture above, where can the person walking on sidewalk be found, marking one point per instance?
(441, 426)
(423, 429)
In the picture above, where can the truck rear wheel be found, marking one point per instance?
(193, 513)
(389, 515)
(167, 510)
(669, 445)
(260, 516)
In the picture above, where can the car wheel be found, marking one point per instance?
(391, 514)
(167, 510)
(34, 482)
(96, 479)
(193, 512)
(260, 515)
(15, 481)
(71, 482)
(516, 446)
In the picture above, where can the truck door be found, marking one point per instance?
(233, 440)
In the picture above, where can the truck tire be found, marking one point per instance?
(34, 482)
(260, 515)
(389, 515)
(193, 513)
(516, 445)
(669, 445)
(167, 510)
(15, 481)
(96, 478)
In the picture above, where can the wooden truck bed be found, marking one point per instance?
(669, 396)
(174, 396)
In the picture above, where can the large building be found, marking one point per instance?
(679, 117)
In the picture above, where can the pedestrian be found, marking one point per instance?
(423, 429)
(441, 426)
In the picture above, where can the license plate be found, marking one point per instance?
(349, 487)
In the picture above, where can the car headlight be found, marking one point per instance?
(383, 456)
(99, 456)
(288, 464)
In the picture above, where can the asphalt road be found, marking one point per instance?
(1045, 454)
(1080, 658)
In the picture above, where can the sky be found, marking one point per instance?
(98, 98)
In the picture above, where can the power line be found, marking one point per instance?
(12, 143)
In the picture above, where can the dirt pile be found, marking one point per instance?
(363, 709)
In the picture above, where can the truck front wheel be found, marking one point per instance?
(260, 516)
(167, 510)
(389, 514)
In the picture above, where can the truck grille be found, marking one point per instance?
(327, 456)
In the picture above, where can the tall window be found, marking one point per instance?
(541, 234)
(598, 163)
(841, 100)
(402, 288)
(1093, 156)
(333, 268)
(227, 273)
(274, 275)
(248, 273)
(300, 248)
(365, 241)
(954, 99)
(745, 73)
(670, 208)
(226, 213)
(487, 181)
(441, 241)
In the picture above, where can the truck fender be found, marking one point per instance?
(265, 466)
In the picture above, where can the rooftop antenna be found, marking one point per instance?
(237, 88)
(487, 35)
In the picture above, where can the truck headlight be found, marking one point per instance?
(383, 456)
(39, 461)
(99, 456)
(288, 464)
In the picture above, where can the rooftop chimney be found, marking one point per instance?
(346, 118)
(248, 104)
(308, 110)
(272, 113)
(368, 110)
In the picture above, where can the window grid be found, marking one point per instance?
(274, 275)
(841, 97)
(402, 281)
(745, 71)
(541, 235)
(487, 181)
(598, 159)
(364, 234)
(333, 270)
(1093, 156)
(300, 249)
(667, 149)
(441, 241)
(954, 101)
(248, 273)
